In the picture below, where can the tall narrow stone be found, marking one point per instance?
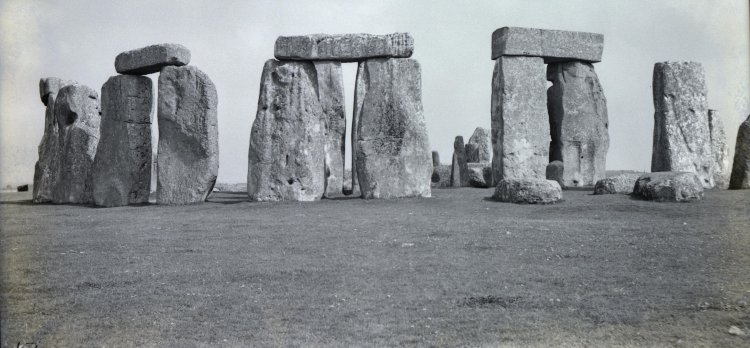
(479, 147)
(78, 117)
(740, 178)
(287, 155)
(122, 166)
(188, 150)
(393, 151)
(330, 84)
(520, 126)
(682, 140)
(435, 159)
(578, 122)
(719, 149)
(47, 166)
(459, 167)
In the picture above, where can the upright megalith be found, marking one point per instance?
(122, 166)
(151, 59)
(188, 149)
(330, 92)
(719, 150)
(435, 159)
(286, 157)
(479, 147)
(578, 122)
(459, 167)
(392, 151)
(682, 140)
(77, 112)
(344, 47)
(740, 178)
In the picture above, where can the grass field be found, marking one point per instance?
(452, 270)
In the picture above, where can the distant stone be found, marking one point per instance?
(520, 125)
(669, 187)
(393, 150)
(528, 191)
(578, 122)
(287, 142)
(50, 86)
(330, 84)
(682, 139)
(344, 47)
(552, 45)
(556, 171)
(719, 149)
(188, 150)
(622, 183)
(122, 166)
(479, 147)
(459, 170)
(435, 159)
(150, 59)
(78, 116)
(441, 176)
(23, 188)
(740, 178)
(480, 175)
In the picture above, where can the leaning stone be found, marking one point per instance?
(122, 166)
(578, 122)
(556, 171)
(330, 84)
(435, 159)
(441, 176)
(150, 59)
(480, 175)
(669, 187)
(740, 178)
(719, 149)
(479, 147)
(393, 151)
(287, 142)
(459, 170)
(520, 125)
(622, 183)
(528, 191)
(682, 139)
(552, 45)
(78, 116)
(344, 47)
(188, 150)
(50, 86)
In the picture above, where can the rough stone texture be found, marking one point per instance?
(622, 183)
(460, 169)
(578, 122)
(480, 175)
(556, 171)
(435, 159)
(682, 140)
(188, 150)
(669, 187)
(150, 59)
(330, 85)
(393, 150)
(78, 117)
(50, 86)
(552, 45)
(719, 149)
(287, 155)
(520, 125)
(479, 147)
(122, 166)
(344, 47)
(528, 191)
(47, 166)
(441, 176)
(740, 178)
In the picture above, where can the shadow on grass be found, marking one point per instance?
(23, 202)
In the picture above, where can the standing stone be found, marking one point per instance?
(556, 171)
(393, 151)
(330, 84)
(78, 115)
(122, 166)
(150, 59)
(719, 149)
(435, 159)
(682, 139)
(47, 166)
(459, 167)
(740, 178)
(286, 159)
(479, 147)
(578, 122)
(669, 187)
(520, 125)
(344, 47)
(188, 150)
(50, 86)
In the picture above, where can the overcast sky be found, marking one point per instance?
(230, 41)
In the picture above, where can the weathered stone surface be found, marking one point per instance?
(344, 47)
(480, 175)
(47, 166)
(556, 171)
(552, 45)
(122, 166)
(719, 149)
(78, 117)
(441, 176)
(459, 170)
(330, 84)
(578, 122)
(520, 125)
(479, 147)
(150, 59)
(669, 187)
(287, 142)
(393, 150)
(740, 178)
(528, 191)
(622, 183)
(682, 140)
(50, 86)
(435, 159)
(188, 150)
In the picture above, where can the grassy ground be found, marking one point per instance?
(455, 269)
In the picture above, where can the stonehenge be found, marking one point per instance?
(740, 178)
(479, 147)
(459, 166)
(151, 59)
(719, 150)
(344, 48)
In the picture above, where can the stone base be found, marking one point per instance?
(669, 187)
(528, 191)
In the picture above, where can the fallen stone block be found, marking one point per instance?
(669, 187)
(480, 175)
(622, 183)
(740, 178)
(552, 45)
(528, 191)
(151, 59)
(344, 47)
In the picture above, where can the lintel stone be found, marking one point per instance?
(552, 45)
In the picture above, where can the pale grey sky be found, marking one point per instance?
(230, 41)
